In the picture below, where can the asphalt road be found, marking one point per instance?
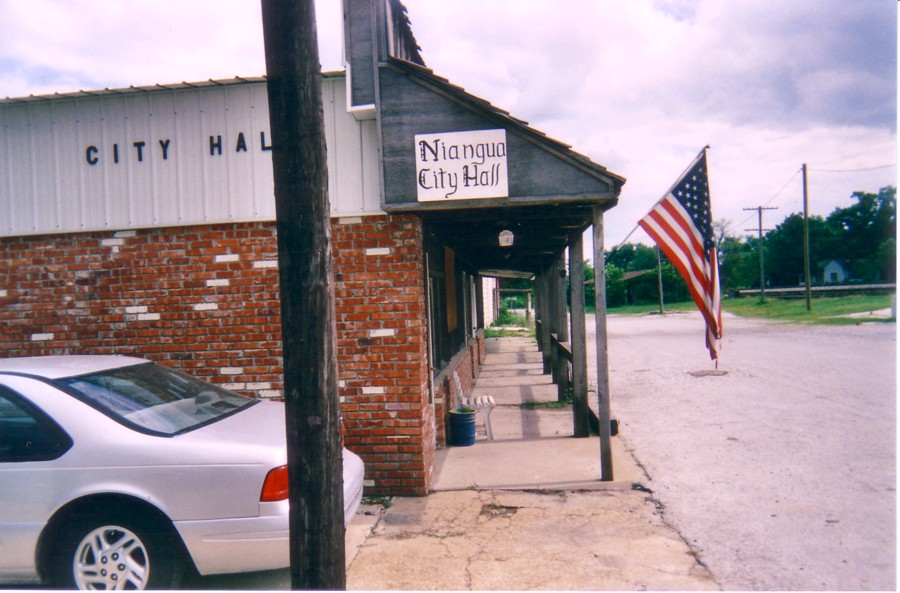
(779, 467)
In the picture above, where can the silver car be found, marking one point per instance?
(116, 472)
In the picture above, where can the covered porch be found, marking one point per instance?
(533, 446)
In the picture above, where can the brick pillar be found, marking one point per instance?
(382, 350)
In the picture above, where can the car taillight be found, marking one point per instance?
(275, 487)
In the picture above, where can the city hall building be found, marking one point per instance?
(141, 221)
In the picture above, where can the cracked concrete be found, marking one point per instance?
(526, 511)
(517, 540)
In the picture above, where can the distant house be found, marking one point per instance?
(633, 286)
(834, 272)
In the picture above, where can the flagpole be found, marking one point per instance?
(680, 224)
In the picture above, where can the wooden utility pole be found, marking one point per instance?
(806, 243)
(662, 307)
(307, 295)
(762, 265)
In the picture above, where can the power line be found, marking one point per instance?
(853, 170)
(772, 199)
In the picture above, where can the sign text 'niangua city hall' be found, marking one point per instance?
(461, 165)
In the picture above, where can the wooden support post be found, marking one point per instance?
(479, 302)
(553, 319)
(307, 296)
(546, 324)
(561, 368)
(603, 413)
(580, 409)
(562, 314)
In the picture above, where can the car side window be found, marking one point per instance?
(26, 434)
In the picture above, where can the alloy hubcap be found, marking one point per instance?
(111, 557)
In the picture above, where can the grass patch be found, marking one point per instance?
(533, 405)
(509, 325)
(825, 310)
(567, 400)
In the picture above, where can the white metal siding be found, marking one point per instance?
(49, 186)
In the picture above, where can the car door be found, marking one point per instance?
(29, 443)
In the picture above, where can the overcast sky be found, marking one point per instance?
(639, 86)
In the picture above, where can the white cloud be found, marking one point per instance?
(641, 86)
(637, 85)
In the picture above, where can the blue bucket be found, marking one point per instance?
(462, 428)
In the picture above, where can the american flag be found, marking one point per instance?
(681, 224)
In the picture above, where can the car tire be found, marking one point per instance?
(117, 551)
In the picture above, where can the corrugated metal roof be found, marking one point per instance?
(212, 82)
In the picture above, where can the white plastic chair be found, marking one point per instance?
(483, 404)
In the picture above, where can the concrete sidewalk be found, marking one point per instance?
(526, 511)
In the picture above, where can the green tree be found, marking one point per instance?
(784, 249)
(866, 231)
(615, 286)
(738, 263)
(589, 284)
(632, 257)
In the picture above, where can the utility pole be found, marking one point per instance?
(762, 265)
(806, 242)
(308, 330)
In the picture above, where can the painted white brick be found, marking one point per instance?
(227, 258)
(148, 317)
(372, 390)
(259, 386)
(135, 310)
(378, 251)
(231, 370)
(125, 234)
(41, 337)
(206, 306)
(112, 242)
(3, 292)
(350, 220)
(234, 386)
(266, 263)
(218, 282)
(270, 393)
(382, 333)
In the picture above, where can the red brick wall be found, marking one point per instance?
(205, 299)
(200, 298)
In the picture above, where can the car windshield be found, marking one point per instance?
(156, 398)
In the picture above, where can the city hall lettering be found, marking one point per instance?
(461, 165)
(140, 150)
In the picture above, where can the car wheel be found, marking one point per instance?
(117, 552)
